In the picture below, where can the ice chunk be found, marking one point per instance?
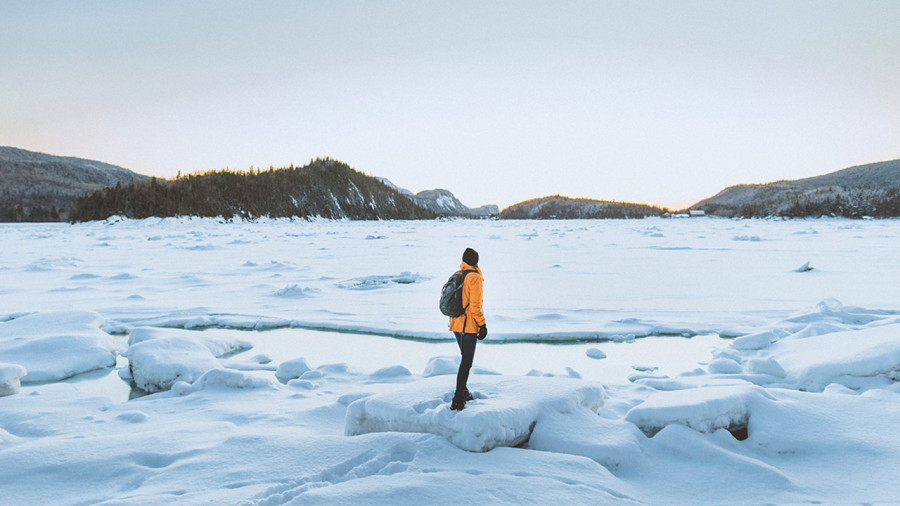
(504, 412)
(595, 353)
(292, 369)
(56, 345)
(9, 378)
(803, 268)
(160, 357)
(704, 409)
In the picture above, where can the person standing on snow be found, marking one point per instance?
(468, 327)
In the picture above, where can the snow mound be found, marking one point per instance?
(292, 369)
(160, 357)
(56, 345)
(504, 412)
(706, 409)
(9, 378)
(440, 366)
(858, 359)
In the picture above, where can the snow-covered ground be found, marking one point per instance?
(652, 361)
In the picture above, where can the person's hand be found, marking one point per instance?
(482, 332)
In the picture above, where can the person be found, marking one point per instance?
(468, 327)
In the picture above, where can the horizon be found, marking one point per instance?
(643, 102)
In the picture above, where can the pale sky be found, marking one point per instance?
(664, 102)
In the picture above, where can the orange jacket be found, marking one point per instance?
(472, 296)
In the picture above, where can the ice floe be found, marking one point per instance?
(503, 413)
(56, 345)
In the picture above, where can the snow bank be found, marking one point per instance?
(56, 345)
(703, 409)
(504, 412)
(9, 378)
(158, 358)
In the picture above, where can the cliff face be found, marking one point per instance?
(324, 188)
(565, 208)
(871, 189)
(41, 187)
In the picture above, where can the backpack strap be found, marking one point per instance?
(465, 272)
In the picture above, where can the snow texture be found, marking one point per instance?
(755, 385)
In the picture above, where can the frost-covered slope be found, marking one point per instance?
(871, 189)
(41, 187)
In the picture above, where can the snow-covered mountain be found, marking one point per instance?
(42, 187)
(443, 202)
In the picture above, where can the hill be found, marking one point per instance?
(863, 190)
(324, 188)
(42, 187)
(565, 208)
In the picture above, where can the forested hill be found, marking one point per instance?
(565, 208)
(42, 187)
(324, 188)
(864, 190)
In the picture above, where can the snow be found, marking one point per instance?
(292, 369)
(295, 362)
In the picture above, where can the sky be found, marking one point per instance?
(657, 101)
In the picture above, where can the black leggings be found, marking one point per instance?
(466, 344)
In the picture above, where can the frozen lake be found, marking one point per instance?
(710, 328)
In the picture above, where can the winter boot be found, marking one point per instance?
(458, 403)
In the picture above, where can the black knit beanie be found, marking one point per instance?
(470, 257)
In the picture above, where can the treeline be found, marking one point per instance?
(29, 213)
(854, 203)
(324, 188)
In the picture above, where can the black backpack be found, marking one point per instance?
(451, 295)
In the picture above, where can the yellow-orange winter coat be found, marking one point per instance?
(472, 295)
